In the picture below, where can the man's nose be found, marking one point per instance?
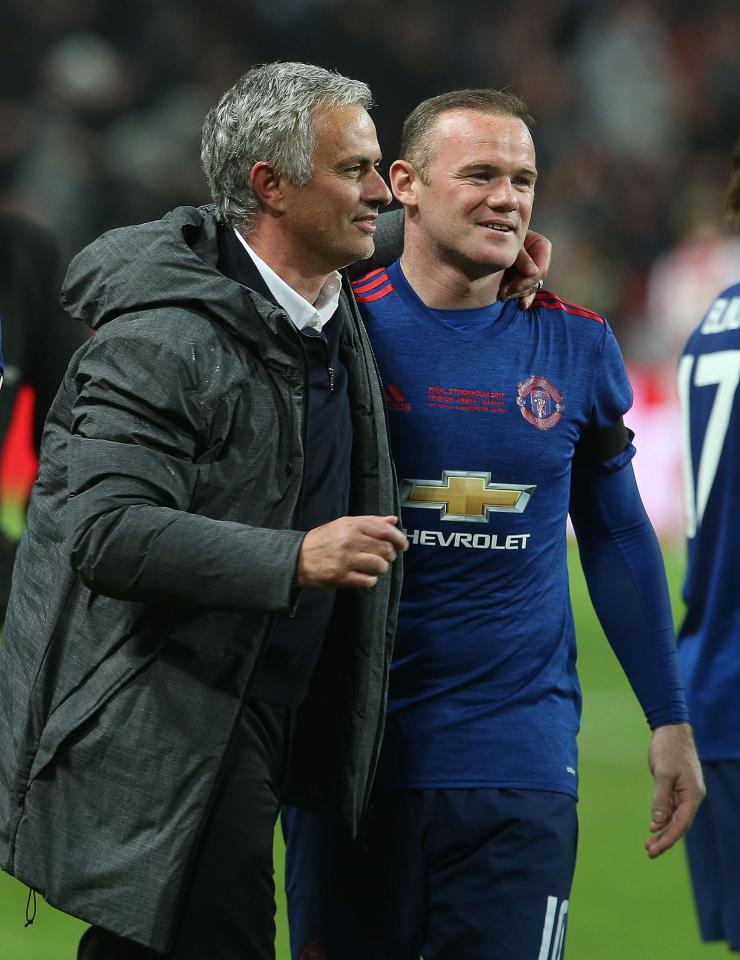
(376, 190)
(502, 194)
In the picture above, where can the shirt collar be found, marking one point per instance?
(301, 312)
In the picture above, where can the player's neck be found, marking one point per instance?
(294, 267)
(444, 285)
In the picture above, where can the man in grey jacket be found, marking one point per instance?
(213, 527)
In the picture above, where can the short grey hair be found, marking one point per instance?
(269, 115)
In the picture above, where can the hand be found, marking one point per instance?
(522, 280)
(679, 785)
(349, 552)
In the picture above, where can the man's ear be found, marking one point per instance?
(268, 186)
(404, 182)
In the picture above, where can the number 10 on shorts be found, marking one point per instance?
(553, 930)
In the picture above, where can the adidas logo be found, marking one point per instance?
(395, 400)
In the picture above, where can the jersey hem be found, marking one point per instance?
(478, 785)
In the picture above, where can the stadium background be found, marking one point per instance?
(637, 107)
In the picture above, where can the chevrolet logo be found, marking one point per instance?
(462, 495)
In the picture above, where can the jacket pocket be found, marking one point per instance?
(92, 694)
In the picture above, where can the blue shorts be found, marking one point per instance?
(474, 874)
(713, 847)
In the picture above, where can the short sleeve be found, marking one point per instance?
(611, 388)
(606, 444)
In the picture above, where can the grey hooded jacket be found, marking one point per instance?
(158, 545)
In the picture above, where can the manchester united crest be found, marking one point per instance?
(540, 402)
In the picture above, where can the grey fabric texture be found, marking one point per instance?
(158, 545)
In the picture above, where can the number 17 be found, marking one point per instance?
(721, 369)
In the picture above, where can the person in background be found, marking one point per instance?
(503, 422)
(709, 638)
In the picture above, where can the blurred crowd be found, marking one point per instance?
(637, 105)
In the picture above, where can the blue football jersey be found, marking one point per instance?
(486, 408)
(709, 640)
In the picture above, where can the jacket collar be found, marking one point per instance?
(236, 264)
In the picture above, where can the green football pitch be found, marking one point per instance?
(622, 904)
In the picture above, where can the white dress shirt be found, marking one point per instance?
(301, 312)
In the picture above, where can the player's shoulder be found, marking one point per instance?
(726, 299)
(722, 317)
(546, 300)
(373, 286)
(731, 293)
